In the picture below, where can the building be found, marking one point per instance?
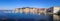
(54, 9)
(25, 9)
(41, 10)
(31, 10)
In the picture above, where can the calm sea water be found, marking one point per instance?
(23, 17)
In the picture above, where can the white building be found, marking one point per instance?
(54, 9)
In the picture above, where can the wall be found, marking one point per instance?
(56, 9)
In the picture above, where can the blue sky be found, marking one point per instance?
(11, 4)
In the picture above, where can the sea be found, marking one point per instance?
(24, 17)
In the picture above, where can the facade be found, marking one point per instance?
(53, 9)
(41, 10)
(31, 10)
(56, 9)
(25, 9)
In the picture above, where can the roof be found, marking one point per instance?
(56, 6)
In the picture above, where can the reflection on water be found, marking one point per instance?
(23, 17)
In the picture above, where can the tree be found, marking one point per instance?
(59, 13)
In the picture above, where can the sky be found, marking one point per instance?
(12, 4)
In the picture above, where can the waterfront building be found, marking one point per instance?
(41, 10)
(54, 9)
(32, 10)
(25, 9)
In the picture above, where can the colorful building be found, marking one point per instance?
(32, 10)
